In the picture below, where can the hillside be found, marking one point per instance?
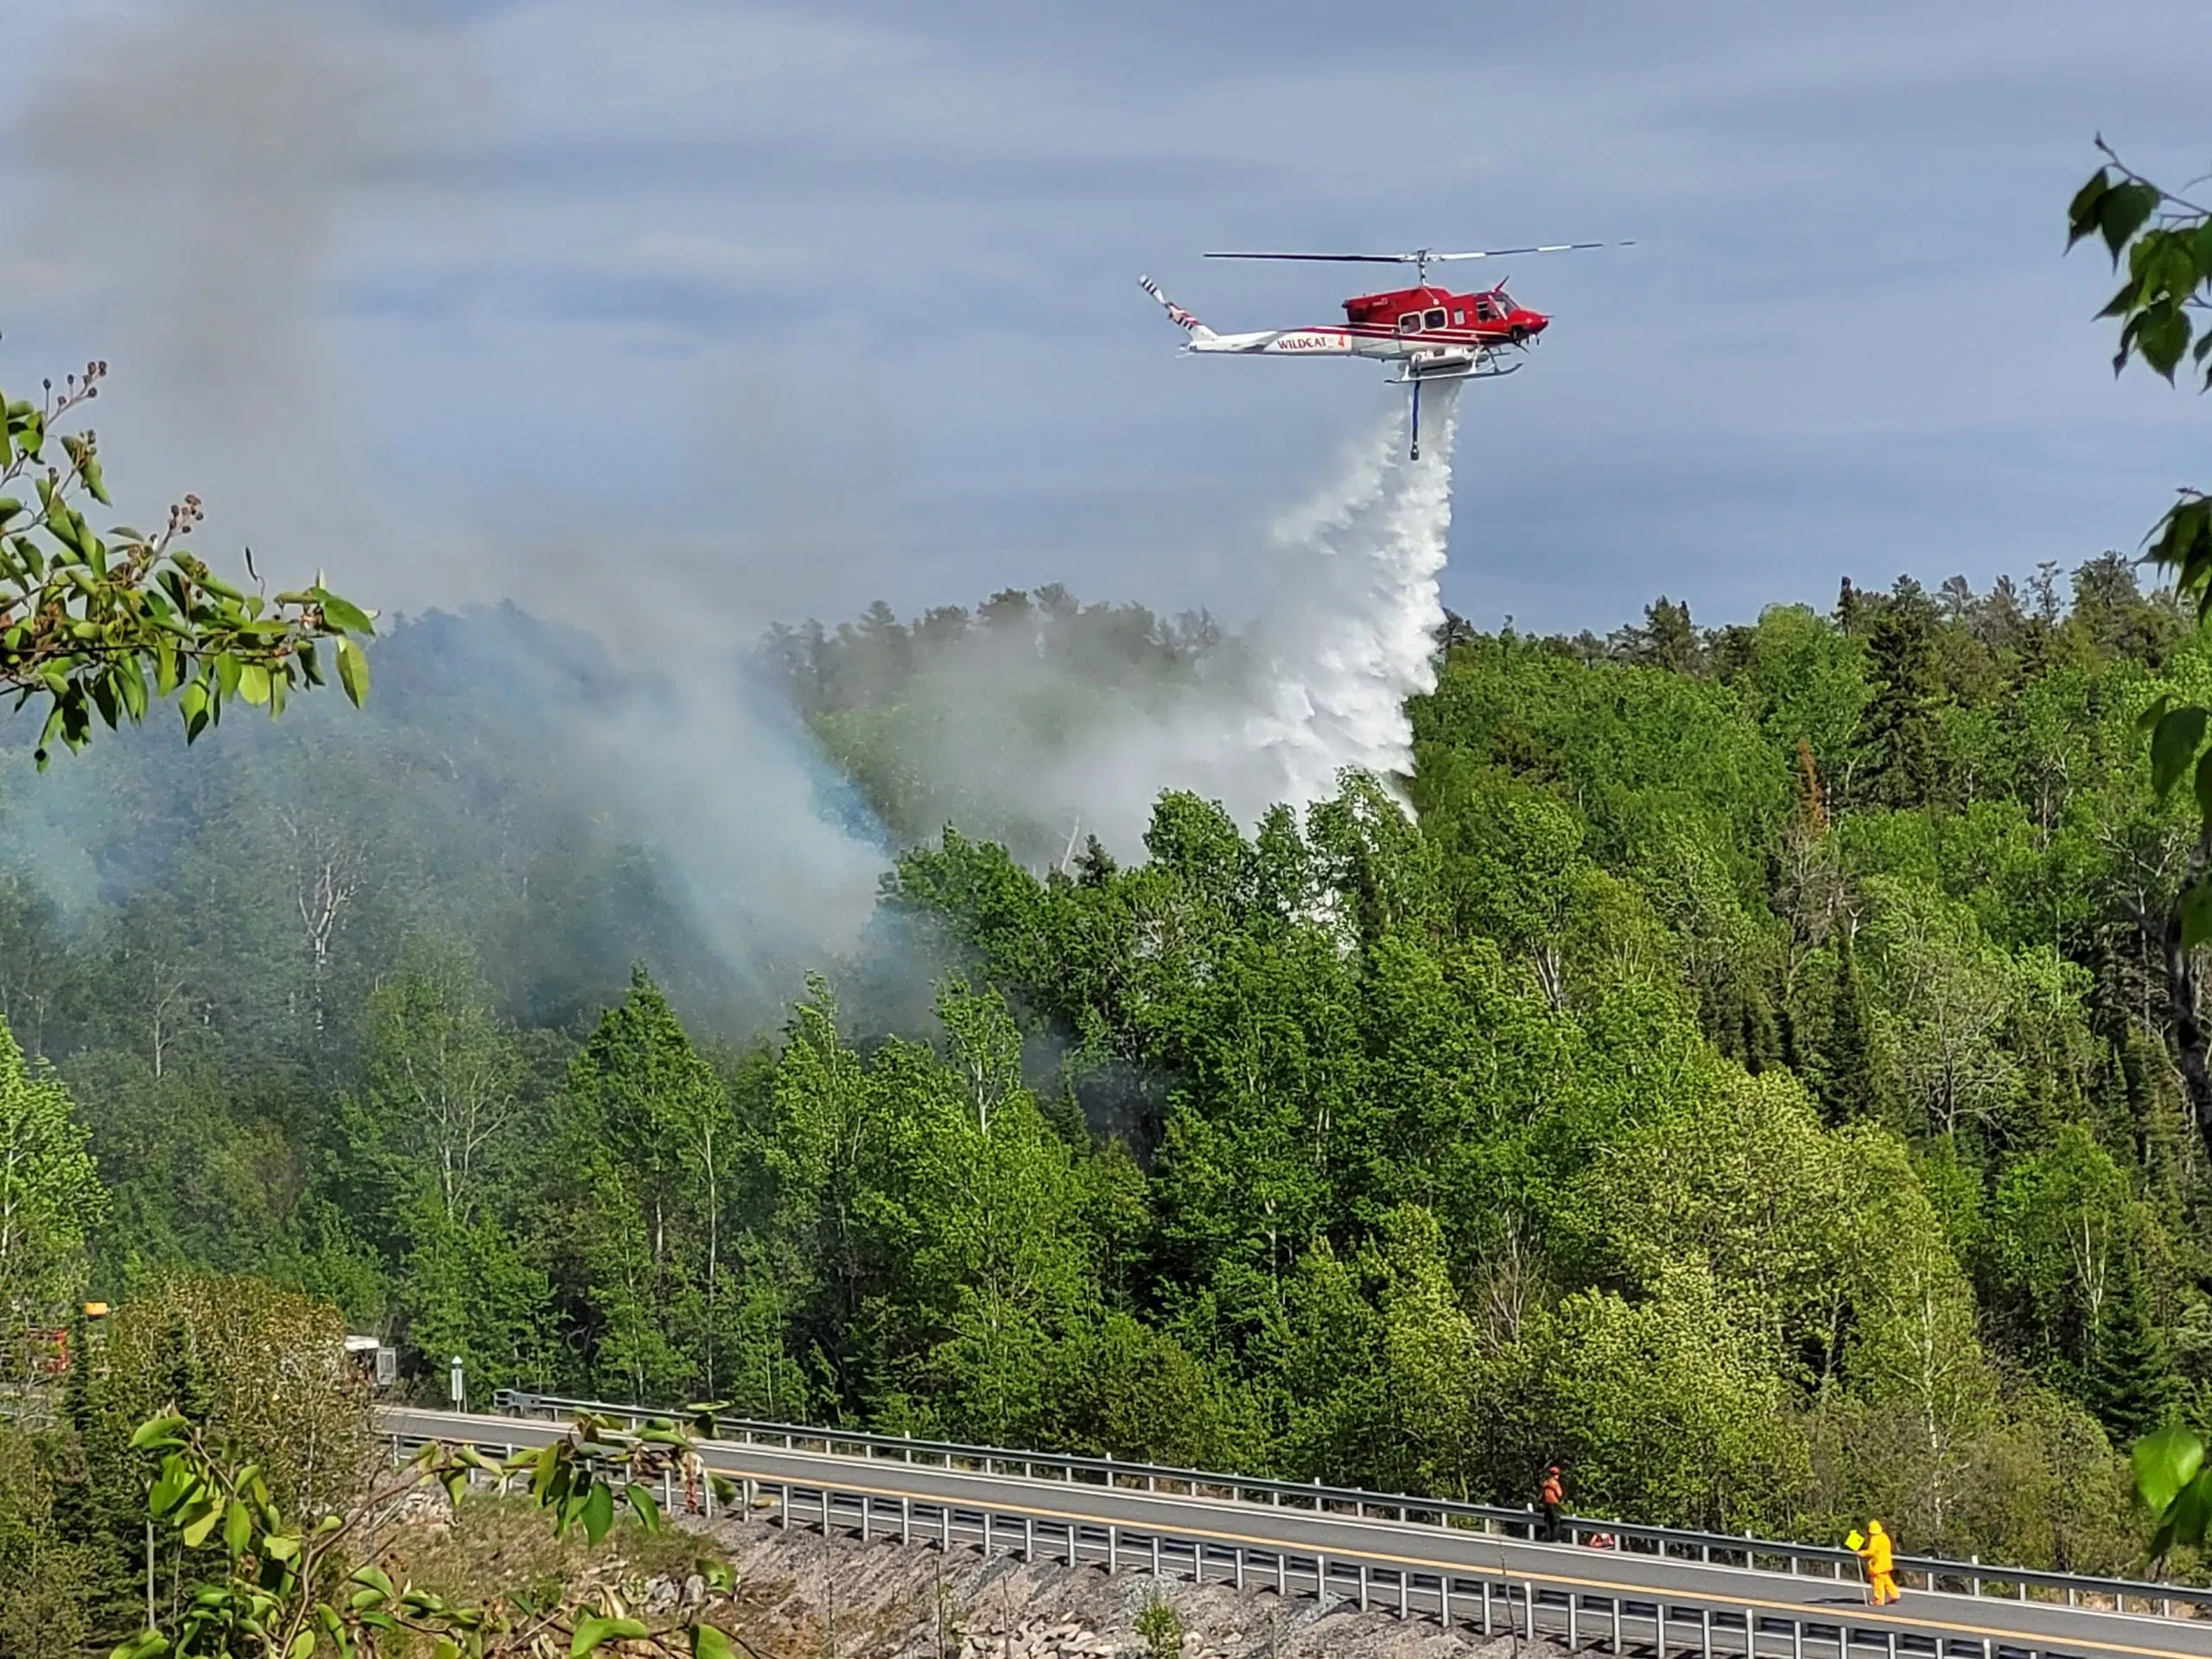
(1751, 1079)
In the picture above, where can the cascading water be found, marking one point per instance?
(1352, 634)
(1317, 683)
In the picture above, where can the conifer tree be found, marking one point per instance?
(2131, 1384)
(1847, 1070)
(1903, 721)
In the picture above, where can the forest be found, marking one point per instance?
(1756, 1067)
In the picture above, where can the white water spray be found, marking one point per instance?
(1346, 634)
(1353, 635)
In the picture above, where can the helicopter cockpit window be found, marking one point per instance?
(1486, 309)
(1433, 319)
(1409, 323)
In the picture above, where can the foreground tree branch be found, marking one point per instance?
(101, 626)
(293, 1587)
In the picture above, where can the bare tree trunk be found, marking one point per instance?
(327, 873)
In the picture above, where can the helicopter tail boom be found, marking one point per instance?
(1176, 314)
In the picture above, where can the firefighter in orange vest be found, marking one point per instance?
(1550, 1497)
(1881, 1563)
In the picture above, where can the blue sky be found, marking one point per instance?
(778, 309)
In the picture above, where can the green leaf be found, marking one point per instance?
(302, 1646)
(253, 683)
(2082, 214)
(201, 1526)
(2163, 337)
(2125, 210)
(598, 1511)
(130, 679)
(175, 1481)
(707, 1642)
(353, 671)
(2165, 1462)
(157, 1432)
(591, 1632)
(144, 1645)
(644, 1503)
(343, 614)
(278, 1547)
(228, 671)
(237, 1528)
(2188, 1516)
(2174, 744)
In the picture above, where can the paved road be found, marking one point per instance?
(1755, 1611)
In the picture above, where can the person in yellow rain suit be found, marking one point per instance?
(1881, 1565)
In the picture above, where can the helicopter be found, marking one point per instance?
(1430, 332)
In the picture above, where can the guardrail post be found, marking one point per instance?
(784, 1506)
(1444, 1599)
(1155, 1555)
(987, 1534)
(1321, 1580)
(1238, 1550)
(1071, 1544)
(1028, 1539)
(1486, 1610)
(1282, 1574)
(1797, 1639)
(1615, 1648)
(1198, 1562)
(1362, 1587)
(944, 1528)
(906, 1520)
(1113, 1549)
(1705, 1634)
(864, 1537)
(1573, 1636)
(1528, 1607)
(1404, 1585)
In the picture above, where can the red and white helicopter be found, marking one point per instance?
(1430, 332)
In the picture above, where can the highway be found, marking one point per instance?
(1610, 1599)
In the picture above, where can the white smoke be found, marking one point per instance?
(224, 147)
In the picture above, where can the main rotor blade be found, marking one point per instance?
(1422, 257)
(1548, 247)
(1336, 258)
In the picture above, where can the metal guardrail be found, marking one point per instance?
(1508, 1599)
(1933, 1572)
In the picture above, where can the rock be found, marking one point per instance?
(694, 1590)
(660, 1596)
